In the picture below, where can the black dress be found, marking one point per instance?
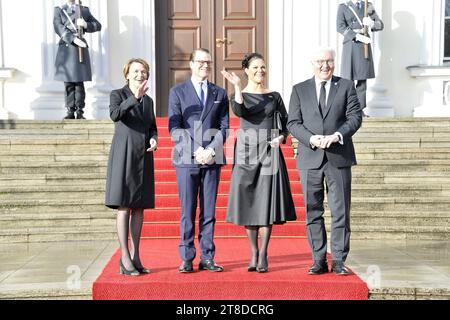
(130, 181)
(260, 193)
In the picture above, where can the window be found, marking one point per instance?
(447, 32)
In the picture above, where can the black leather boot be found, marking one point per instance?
(70, 114)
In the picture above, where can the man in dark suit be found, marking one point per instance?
(324, 114)
(68, 68)
(198, 123)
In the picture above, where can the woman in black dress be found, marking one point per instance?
(130, 183)
(260, 194)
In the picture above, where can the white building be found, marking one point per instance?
(412, 77)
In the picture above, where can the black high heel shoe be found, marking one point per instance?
(251, 267)
(124, 271)
(143, 270)
(263, 267)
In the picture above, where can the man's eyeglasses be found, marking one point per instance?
(322, 62)
(203, 62)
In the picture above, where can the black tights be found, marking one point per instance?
(259, 254)
(130, 221)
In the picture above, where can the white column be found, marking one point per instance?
(50, 104)
(379, 104)
(5, 73)
(98, 107)
(435, 75)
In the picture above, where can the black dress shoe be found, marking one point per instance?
(318, 268)
(186, 267)
(340, 269)
(80, 116)
(210, 265)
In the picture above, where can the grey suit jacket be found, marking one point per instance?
(343, 114)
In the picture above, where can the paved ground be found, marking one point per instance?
(392, 269)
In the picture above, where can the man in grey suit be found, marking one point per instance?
(351, 23)
(68, 68)
(324, 114)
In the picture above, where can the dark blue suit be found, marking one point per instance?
(193, 126)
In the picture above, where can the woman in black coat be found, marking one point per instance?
(130, 184)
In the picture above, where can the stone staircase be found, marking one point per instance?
(52, 181)
(401, 186)
(52, 176)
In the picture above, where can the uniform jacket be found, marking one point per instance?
(354, 65)
(67, 65)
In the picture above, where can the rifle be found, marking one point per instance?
(80, 32)
(366, 29)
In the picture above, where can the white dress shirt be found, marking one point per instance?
(327, 90)
(197, 88)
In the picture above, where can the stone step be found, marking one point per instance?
(387, 204)
(369, 232)
(52, 168)
(97, 191)
(410, 154)
(406, 122)
(402, 166)
(32, 207)
(60, 157)
(412, 129)
(396, 218)
(55, 145)
(33, 235)
(56, 220)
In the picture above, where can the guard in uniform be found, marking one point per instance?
(350, 23)
(73, 63)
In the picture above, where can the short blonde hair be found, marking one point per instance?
(126, 67)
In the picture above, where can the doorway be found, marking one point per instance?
(228, 28)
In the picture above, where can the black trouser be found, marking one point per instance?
(361, 89)
(75, 96)
(338, 187)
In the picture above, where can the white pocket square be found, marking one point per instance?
(215, 102)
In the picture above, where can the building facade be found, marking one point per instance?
(413, 78)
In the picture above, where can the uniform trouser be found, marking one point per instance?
(338, 185)
(75, 96)
(196, 183)
(361, 89)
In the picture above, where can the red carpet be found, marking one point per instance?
(287, 278)
(289, 256)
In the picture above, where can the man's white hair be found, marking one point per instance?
(317, 51)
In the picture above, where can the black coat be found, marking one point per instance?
(130, 181)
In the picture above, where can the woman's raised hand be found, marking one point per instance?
(232, 77)
(142, 89)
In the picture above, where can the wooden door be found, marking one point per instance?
(228, 28)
